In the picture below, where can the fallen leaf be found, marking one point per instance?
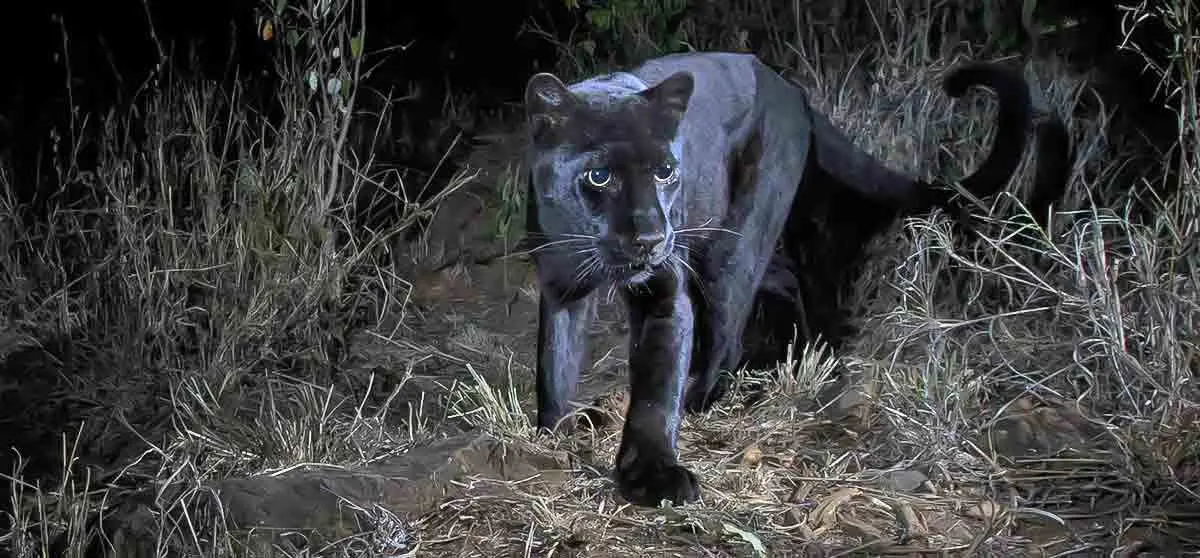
(984, 509)
(862, 530)
(750, 538)
(910, 524)
(826, 511)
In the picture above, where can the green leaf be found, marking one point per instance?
(752, 539)
(280, 6)
(600, 18)
(356, 45)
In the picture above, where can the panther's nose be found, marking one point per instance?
(647, 245)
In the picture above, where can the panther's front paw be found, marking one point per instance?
(697, 400)
(646, 482)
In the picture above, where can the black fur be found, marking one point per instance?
(678, 184)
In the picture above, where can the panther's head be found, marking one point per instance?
(606, 173)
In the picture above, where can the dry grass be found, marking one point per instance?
(1023, 392)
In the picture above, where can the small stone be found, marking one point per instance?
(905, 480)
(752, 455)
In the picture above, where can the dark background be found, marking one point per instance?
(112, 52)
(478, 48)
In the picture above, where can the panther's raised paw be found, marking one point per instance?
(646, 483)
(698, 401)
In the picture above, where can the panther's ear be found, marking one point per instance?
(548, 103)
(671, 95)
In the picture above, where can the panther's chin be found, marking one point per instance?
(628, 273)
(640, 276)
(640, 273)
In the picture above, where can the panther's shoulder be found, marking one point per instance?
(710, 65)
(705, 66)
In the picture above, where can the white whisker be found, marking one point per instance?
(692, 271)
(554, 243)
(706, 229)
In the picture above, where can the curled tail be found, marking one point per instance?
(1013, 122)
(838, 158)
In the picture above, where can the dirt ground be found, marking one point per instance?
(789, 473)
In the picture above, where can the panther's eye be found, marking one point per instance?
(664, 172)
(598, 177)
